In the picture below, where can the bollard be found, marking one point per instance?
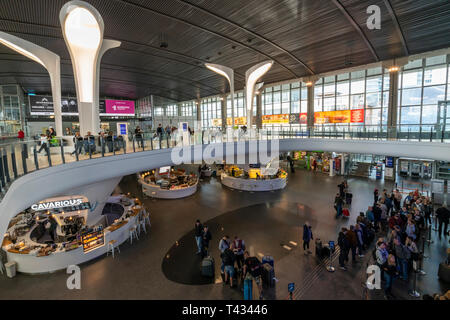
(414, 292)
(429, 235)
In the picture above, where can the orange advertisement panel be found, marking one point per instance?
(339, 116)
(240, 121)
(275, 118)
(357, 116)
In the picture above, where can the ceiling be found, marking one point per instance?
(303, 37)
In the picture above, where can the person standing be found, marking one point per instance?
(138, 137)
(344, 246)
(224, 244)
(353, 242)
(291, 163)
(307, 237)
(403, 255)
(198, 230)
(390, 273)
(206, 238)
(159, 131)
(442, 216)
(238, 247)
(338, 202)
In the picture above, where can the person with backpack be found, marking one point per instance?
(403, 255)
(307, 237)
(252, 270)
(238, 247)
(344, 246)
(224, 244)
(228, 258)
(198, 230)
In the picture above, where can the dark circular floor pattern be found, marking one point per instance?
(264, 227)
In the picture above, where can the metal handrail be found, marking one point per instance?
(21, 157)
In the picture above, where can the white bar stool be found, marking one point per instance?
(111, 247)
(141, 226)
(133, 233)
(147, 218)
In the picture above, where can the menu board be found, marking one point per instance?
(92, 240)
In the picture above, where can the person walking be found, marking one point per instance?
(44, 144)
(307, 237)
(198, 230)
(442, 216)
(138, 137)
(78, 143)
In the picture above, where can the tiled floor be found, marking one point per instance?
(163, 264)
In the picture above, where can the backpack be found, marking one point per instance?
(254, 266)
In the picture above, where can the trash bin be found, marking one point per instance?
(11, 269)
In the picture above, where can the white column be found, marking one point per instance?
(48, 60)
(82, 28)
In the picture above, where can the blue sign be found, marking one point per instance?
(122, 128)
(331, 245)
(291, 287)
(185, 126)
(389, 162)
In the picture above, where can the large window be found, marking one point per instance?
(423, 83)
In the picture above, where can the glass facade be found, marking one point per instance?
(422, 84)
(11, 109)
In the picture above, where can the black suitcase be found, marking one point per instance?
(318, 248)
(348, 198)
(268, 276)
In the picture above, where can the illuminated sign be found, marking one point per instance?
(339, 116)
(275, 118)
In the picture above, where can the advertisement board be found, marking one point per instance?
(240, 121)
(339, 116)
(119, 107)
(275, 118)
(41, 105)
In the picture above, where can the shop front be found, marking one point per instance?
(54, 233)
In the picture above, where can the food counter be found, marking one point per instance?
(253, 180)
(35, 257)
(173, 185)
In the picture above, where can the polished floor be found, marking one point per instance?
(163, 263)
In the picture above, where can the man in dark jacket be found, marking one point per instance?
(353, 241)
(228, 259)
(307, 237)
(198, 235)
(344, 247)
(443, 215)
(338, 202)
(206, 238)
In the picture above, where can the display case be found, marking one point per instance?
(92, 240)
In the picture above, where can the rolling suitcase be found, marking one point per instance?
(345, 213)
(248, 289)
(348, 198)
(268, 276)
(318, 248)
(268, 259)
(208, 267)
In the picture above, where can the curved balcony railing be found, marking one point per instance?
(22, 157)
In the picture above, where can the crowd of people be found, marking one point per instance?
(236, 261)
(404, 220)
